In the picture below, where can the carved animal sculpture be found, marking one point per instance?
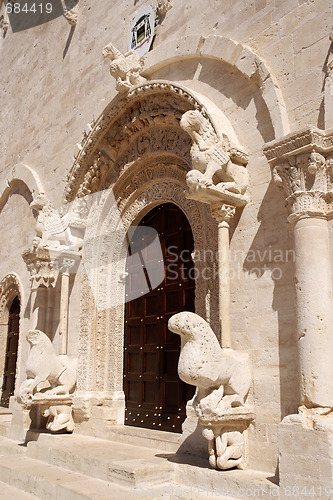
(43, 365)
(222, 376)
(59, 417)
(226, 449)
(125, 69)
(52, 229)
(210, 157)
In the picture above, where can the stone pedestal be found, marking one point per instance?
(306, 456)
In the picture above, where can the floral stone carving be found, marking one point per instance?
(51, 380)
(126, 69)
(223, 380)
(214, 171)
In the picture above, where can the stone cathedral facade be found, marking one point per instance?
(166, 205)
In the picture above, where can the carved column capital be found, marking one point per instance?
(302, 167)
(222, 212)
(39, 265)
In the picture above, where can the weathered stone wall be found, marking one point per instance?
(55, 81)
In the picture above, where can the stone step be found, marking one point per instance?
(137, 436)
(38, 480)
(11, 447)
(119, 463)
(7, 491)
(213, 483)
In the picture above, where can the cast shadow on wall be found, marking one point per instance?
(271, 256)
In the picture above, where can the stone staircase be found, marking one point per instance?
(131, 463)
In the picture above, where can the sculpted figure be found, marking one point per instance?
(226, 449)
(126, 69)
(52, 230)
(59, 418)
(222, 378)
(43, 365)
(210, 157)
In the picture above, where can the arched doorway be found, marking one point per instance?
(155, 396)
(9, 374)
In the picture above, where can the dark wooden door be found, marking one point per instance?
(155, 396)
(11, 353)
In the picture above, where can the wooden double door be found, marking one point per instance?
(160, 283)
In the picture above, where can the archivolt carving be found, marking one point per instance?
(119, 131)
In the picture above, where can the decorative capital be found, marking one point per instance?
(222, 212)
(39, 265)
(302, 167)
(66, 262)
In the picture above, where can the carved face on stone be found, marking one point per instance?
(191, 121)
(33, 336)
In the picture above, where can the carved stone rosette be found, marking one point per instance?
(302, 166)
(38, 262)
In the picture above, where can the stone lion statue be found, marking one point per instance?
(222, 376)
(43, 365)
(211, 158)
(125, 69)
(223, 379)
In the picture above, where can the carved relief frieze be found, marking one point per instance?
(304, 172)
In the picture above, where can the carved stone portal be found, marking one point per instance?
(223, 380)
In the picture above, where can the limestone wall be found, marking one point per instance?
(55, 81)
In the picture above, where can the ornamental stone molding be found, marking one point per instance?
(38, 262)
(132, 158)
(302, 167)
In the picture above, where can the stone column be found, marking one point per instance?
(223, 213)
(304, 174)
(65, 264)
(302, 168)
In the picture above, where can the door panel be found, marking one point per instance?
(155, 396)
